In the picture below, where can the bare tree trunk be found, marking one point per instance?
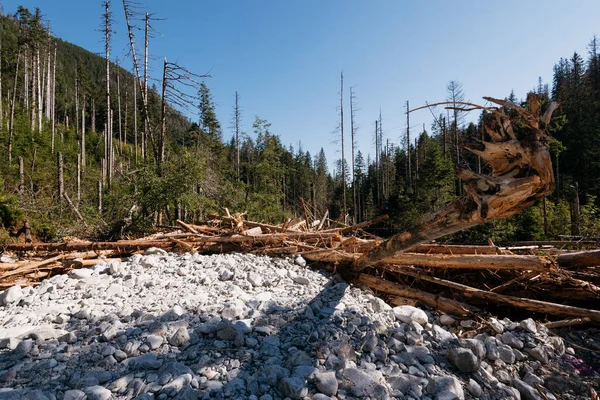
(237, 134)
(135, 127)
(33, 95)
(408, 162)
(108, 126)
(110, 154)
(83, 134)
(12, 112)
(93, 115)
(163, 130)
(119, 108)
(48, 84)
(61, 183)
(1, 102)
(342, 135)
(100, 196)
(39, 94)
(76, 104)
(26, 78)
(145, 93)
(353, 142)
(54, 98)
(79, 158)
(21, 175)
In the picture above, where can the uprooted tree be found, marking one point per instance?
(515, 148)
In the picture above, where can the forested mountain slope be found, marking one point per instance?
(54, 101)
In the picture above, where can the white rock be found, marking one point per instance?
(114, 290)
(255, 279)
(82, 273)
(226, 275)
(300, 261)
(408, 314)
(12, 295)
(155, 251)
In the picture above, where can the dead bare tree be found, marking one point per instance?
(342, 137)
(107, 30)
(353, 144)
(178, 83)
(521, 173)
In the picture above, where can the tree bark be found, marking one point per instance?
(61, 183)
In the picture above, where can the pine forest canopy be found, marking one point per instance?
(92, 149)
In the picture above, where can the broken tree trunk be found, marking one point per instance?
(579, 259)
(521, 173)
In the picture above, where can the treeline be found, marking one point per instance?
(131, 160)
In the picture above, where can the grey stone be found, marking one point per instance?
(154, 341)
(408, 314)
(173, 387)
(226, 275)
(69, 338)
(441, 335)
(226, 330)
(327, 383)
(496, 325)
(272, 374)
(120, 383)
(97, 393)
(538, 353)
(148, 361)
(180, 337)
(445, 388)
(74, 395)
(447, 320)
(10, 343)
(506, 354)
(474, 388)
(510, 339)
(293, 387)
(255, 279)
(527, 392)
(155, 251)
(463, 359)
(301, 280)
(529, 325)
(11, 295)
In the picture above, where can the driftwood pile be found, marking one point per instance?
(460, 280)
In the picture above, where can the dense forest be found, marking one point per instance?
(90, 150)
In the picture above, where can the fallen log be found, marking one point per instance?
(125, 246)
(31, 267)
(186, 227)
(521, 173)
(461, 261)
(443, 304)
(579, 259)
(557, 243)
(567, 322)
(361, 225)
(519, 302)
(456, 249)
(250, 224)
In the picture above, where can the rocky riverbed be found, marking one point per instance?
(238, 326)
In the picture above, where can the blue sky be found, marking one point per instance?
(285, 57)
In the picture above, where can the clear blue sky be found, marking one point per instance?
(285, 57)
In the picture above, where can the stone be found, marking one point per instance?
(327, 383)
(226, 275)
(301, 280)
(114, 290)
(293, 387)
(510, 339)
(180, 337)
(12, 295)
(538, 353)
(445, 388)
(463, 359)
(97, 393)
(155, 251)
(299, 260)
(496, 325)
(255, 279)
(10, 343)
(529, 325)
(527, 392)
(506, 354)
(441, 335)
(447, 320)
(474, 388)
(74, 395)
(69, 338)
(173, 387)
(226, 330)
(407, 314)
(154, 341)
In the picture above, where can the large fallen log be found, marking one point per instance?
(521, 173)
(443, 304)
(459, 261)
(579, 259)
(519, 302)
